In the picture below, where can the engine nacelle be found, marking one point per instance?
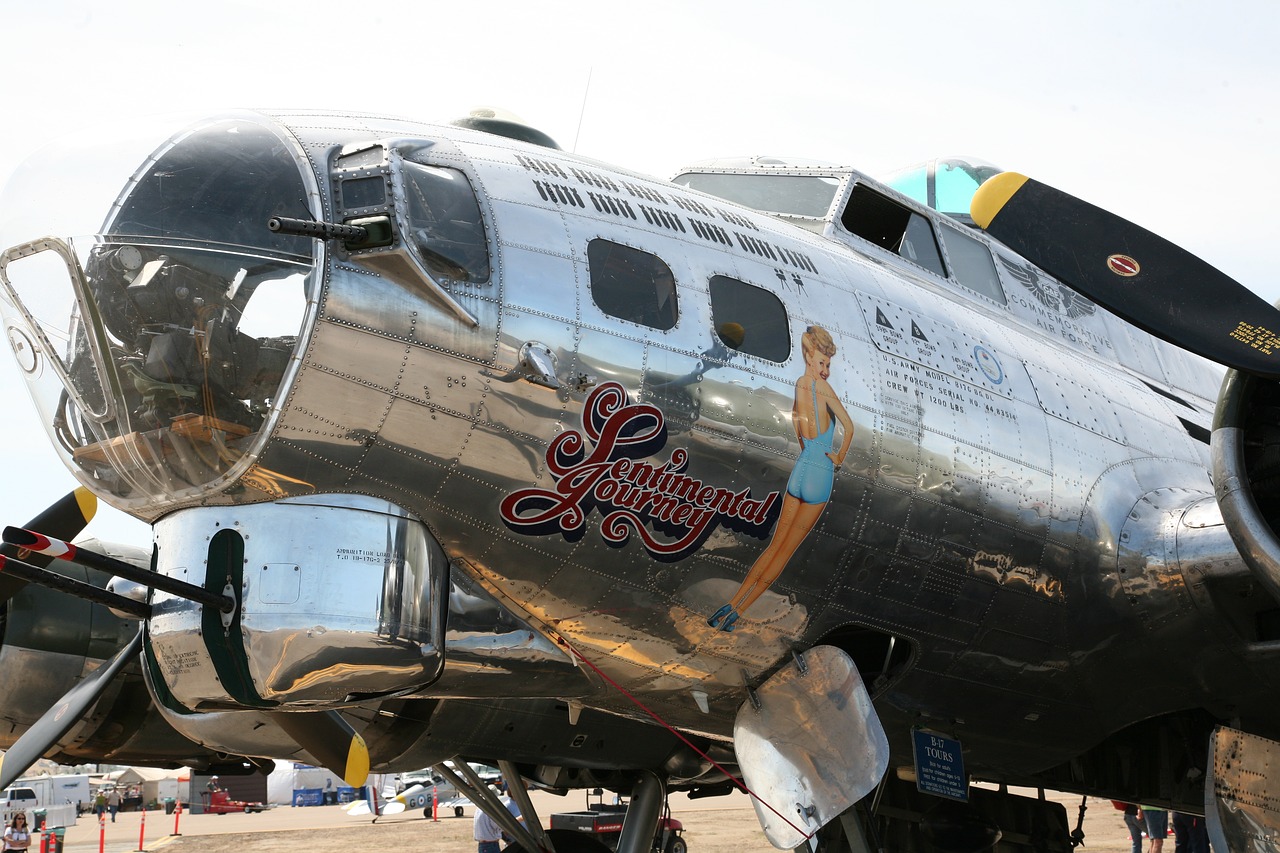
(340, 599)
(48, 655)
(1246, 471)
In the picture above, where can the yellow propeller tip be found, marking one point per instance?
(356, 772)
(88, 503)
(993, 195)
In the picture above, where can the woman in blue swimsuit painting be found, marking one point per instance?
(814, 415)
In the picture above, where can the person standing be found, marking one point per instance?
(1189, 834)
(100, 804)
(1133, 820)
(1157, 820)
(488, 834)
(16, 834)
(113, 802)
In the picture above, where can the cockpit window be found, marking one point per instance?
(175, 322)
(879, 219)
(972, 264)
(793, 195)
(946, 185)
(632, 285)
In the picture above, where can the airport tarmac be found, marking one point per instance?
(713, 825)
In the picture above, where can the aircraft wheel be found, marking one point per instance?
(676, 844)
(426, 812)
(568, 841)
(457, 811)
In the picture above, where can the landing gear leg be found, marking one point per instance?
(641, 823)
(485, 800)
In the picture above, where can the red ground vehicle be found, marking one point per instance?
(605, 823)
(220, 802)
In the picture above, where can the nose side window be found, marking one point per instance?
(632, 285)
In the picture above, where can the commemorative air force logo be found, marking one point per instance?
(608, 466)
(1049, 292)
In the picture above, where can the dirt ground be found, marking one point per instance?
(723, 825)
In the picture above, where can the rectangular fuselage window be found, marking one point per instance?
(749, 319)
(632, 285)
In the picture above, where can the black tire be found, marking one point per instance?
(676, 844)
(457, 811)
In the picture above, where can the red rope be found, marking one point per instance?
(734, 779)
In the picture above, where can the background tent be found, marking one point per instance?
(156, 785)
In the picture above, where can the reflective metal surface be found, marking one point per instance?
(356, 612)
(1248, 524)
(1014, 529)
(1240, 812)
(809, 744)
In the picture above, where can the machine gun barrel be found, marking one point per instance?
(71, 586)
(317, 229)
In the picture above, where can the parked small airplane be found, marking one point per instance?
(458, 446)
(418, 796)
(426, 790)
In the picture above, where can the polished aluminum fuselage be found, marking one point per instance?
(1022, 520)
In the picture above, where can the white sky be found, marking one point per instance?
(1164, 112)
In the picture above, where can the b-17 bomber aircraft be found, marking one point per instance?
(775, 476)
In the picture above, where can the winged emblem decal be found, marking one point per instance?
(1049, 292)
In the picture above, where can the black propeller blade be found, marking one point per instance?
(1142, 277)
(59, 719)
(64, 519)
(331, 742)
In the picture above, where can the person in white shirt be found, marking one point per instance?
(487, 832)
(16, 834)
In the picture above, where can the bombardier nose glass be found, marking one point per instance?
(158, 349)
(176, 321)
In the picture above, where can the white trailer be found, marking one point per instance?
(59, 797)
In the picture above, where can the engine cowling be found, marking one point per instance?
(340, 599)
(1246, 471)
